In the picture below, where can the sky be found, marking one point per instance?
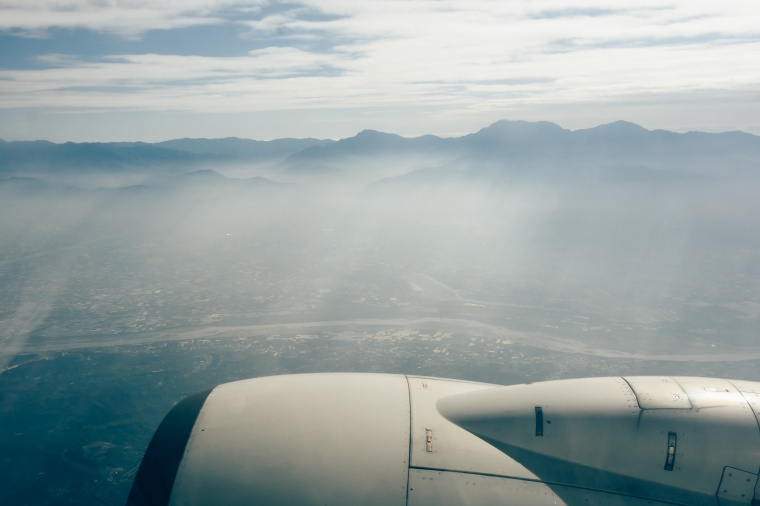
(127, 70)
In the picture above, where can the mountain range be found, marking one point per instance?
(503, 151)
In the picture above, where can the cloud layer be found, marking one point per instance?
(475, 56)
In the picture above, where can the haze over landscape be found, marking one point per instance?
(453, 195)
(134, 274)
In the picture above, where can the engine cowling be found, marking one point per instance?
(377, 439)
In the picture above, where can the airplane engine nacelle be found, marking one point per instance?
(372, 439)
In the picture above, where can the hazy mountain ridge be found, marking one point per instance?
(204, 179)
(48, 160)
(503, 151)
(243, 149)
(43, 154)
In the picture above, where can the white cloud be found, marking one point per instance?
(483, 55)
(126, 17)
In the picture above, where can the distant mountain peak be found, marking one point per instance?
(623, 126)
(520, 127)
(370, 134)
(518, 134)
(511, 122)
(370, 139)
(208, 173)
